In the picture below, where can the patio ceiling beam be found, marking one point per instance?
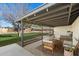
(52, 19)
(77, 8)
(53, 23)
(47, 20)
(56, 21)
(41, 24)
(70, 9)
(53, 11)
(51, 16)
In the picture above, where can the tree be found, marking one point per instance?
(21, 9)
(11, 19)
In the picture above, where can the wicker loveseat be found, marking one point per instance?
(55, 46)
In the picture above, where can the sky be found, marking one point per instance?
(15, 11)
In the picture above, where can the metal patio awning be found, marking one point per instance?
(59, 14)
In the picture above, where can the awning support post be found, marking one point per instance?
(42, 40)
(22, 33)
(70, 9)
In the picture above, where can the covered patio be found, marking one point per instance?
(54, 16)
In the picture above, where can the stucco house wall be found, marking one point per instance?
(62, 30)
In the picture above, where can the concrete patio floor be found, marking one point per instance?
(35, 49)
(14, 50)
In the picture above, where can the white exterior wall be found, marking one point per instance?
(63, 30)
(75, 29)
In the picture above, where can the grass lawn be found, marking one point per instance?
(6, 39)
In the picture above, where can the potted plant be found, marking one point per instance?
(68, 51)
